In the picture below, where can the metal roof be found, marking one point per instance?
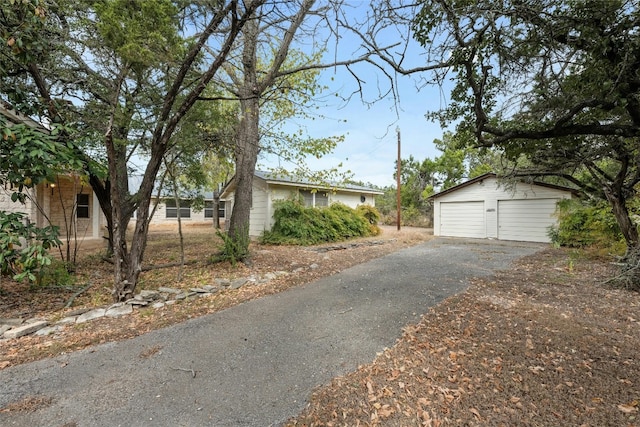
(301, 182)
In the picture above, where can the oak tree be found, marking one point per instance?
(125, 73)
(553, 81)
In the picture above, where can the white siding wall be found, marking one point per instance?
(259, 217)
(160, 216)
(490, 191)
(352, 199)
(265, 195)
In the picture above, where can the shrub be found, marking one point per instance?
(413, 217)
(24, 248)
(372, 215)
(57, 274)
(296, 224)
(581, 225)
(233, 250)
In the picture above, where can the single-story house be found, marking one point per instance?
(485, 207)
(167, 209)
(68, 202)
(269, 188)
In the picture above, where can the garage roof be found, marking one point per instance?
(493, 175)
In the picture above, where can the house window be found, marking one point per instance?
(82, 206)
(171, 210)
(314, 199)
(321, 199)
(209, 207)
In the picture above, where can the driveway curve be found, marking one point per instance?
(257, 363)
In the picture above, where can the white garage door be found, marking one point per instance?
(526, 220)
(462, 219)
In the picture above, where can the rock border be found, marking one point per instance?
(16, 328)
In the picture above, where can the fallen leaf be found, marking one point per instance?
(627, 409)
(386, 411)
(369, 387)
(424, 401)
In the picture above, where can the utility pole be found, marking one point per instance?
(398, 179)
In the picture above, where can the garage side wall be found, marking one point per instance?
(489, 192)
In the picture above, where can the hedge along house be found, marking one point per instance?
(68, 202)
(268, 188)
(484, 207)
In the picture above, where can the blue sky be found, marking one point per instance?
(370, 147)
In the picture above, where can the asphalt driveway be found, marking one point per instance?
(257, 363)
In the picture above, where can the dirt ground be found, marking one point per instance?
(545, 343)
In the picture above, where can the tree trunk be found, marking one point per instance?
(629, 277)
(627, 227)
(102, 191)
(123, 286)
(216, 210)
(247, 148)
(248, 138)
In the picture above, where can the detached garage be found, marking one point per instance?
(484, 208)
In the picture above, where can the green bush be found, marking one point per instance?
(413, 217)
(57, 274)
(232, 249)
(296, 224)
(24, 248)
(582, 224)
(372, 215)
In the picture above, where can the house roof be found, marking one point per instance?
(135, 181)
(273, 178)
(493, 175)
(16, 117)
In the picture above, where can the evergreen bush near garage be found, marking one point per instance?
(583, 224)
(296, 224)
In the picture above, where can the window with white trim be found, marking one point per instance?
(314, 198)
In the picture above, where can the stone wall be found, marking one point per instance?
(63, 207)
